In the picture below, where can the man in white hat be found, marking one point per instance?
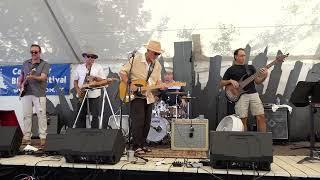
(142, 67)
(83, 74)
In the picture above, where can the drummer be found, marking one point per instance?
(165, 95)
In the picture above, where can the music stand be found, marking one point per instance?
(308, 94)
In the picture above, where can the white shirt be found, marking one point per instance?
(80, 75)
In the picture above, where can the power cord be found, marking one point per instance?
(26, 177)
(34, 169)
(210, 173)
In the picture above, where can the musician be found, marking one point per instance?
(171, 98)
(251, 97)
(33, 79)
(85, 73)
(140, 66)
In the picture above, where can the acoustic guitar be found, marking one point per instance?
(142, 87)
(233, 94)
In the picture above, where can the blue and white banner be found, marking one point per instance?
(59, 75)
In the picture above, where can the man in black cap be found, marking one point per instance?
(84, 73)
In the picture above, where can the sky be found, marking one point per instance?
(249, 18)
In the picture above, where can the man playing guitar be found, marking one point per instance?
(146, 67)
(85, 73)
(250, 97)
(33, 84)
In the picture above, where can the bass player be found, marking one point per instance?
(250, 98)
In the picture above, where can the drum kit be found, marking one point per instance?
(163, 113)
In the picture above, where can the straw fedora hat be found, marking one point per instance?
(154, 46)
(90, 52)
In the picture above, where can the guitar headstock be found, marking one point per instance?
(281, 58)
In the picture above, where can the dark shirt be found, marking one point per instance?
(235, 72)
(35, 87)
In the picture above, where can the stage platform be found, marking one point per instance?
(285, 166)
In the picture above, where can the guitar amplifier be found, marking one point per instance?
(189, 134)
(277, 123)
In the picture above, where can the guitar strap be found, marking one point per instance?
(151, 67)
(247, 69)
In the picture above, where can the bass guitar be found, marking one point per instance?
(233, 94)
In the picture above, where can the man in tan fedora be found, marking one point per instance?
(83, 74)
(142, 67)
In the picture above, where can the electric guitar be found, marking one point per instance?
(233, 94)
(22, 91)
(142, 87)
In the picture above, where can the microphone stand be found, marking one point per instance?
(129, 99)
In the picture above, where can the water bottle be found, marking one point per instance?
(278, 101)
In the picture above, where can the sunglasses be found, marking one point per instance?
(92, 57)
(156, 54)
(34, 52)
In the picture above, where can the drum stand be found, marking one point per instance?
(188, 98)
(105, 94)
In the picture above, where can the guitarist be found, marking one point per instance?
(83, 74)
(147, 67)
(33, 81)
(251, 97)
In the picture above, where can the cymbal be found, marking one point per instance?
(177, 93)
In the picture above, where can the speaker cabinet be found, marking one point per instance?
(93, 145)
(244, 150)
(277, 123)
(189, 134)
(10, 140)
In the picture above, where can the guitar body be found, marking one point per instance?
(123, 89)
(233, 94)
(22, 92)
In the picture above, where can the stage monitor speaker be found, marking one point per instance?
(277, 123)
(249, 150)
(93, 145)
(10, 140)
(54, 144)
(189, 134)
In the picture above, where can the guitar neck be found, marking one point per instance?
(153, 87)
(252, 77)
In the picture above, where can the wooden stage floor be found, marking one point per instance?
(285, 163)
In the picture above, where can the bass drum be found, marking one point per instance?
(159, 129)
